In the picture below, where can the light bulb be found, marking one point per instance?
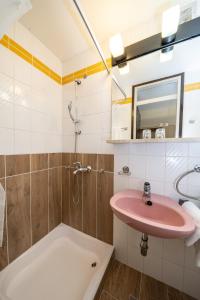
(170, 21)
(116, 45)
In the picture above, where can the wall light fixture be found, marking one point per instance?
(170, 22)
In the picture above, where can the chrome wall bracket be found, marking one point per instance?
(125, 171)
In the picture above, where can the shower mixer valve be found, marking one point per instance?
(81, 169)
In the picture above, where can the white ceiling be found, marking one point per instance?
(58, 26)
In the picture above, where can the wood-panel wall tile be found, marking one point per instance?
(106, 162)
(3, 249)
(55, 160)
(17, 164)
(39, 205)
(104, 212)
(75, 219)
(18, 214)
(2, 166)
(89, 203)
(65, 195)
(39, 161)
(66, 159)
(91, 160)
(55, 197)
(74, 157)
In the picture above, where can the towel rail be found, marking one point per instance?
(196, 169)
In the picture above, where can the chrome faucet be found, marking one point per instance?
(81, 169)
(147, 193)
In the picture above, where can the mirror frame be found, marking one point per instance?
(181, 101)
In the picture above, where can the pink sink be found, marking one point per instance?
(165, 218)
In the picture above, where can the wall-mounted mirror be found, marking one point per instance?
(163, 98)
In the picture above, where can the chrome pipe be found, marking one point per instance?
(144, 244)
(96, 43)
(91, 33)
(117, 84)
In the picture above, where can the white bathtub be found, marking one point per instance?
(58, 267)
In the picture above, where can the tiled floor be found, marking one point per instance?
(124, 283)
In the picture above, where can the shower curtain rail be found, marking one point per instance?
(96, 43)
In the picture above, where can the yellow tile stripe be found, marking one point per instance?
(98, 67)
(192, 86)
(28, 57)
(13, 46)
(122, 101)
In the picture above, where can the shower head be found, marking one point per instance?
(70, 111)
(75, 121)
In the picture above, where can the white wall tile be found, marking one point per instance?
(68, 143)
(153, 267)
(177, 149)
(22, 118)
(89, 143)
(39, 100)
(22, 142)
(137, 166)
(155, 168)
(174, 167)
(173, 275)
(22, 71)
(39, 121)
(90, 124)
(157, 187)
(194, 149)
(138, 149)
(6, 114)
(134, 238)
(6, 61)
(6, 88)
(135, 183)
(191, 283)
(22, 94)
(7, 141)
(155, 247)
(134, 259)
(190, 259)
(156, 149)
(94, 103)
(120, 183)
(38, 142)
(120, 240)
(122, 149)
(174, 251)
